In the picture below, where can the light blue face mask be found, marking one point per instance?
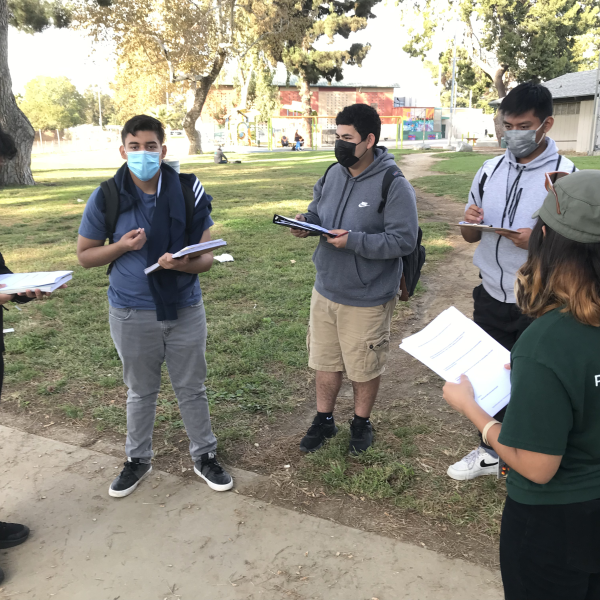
(144, 165)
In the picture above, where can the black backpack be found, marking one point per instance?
(112, 203)
(411, 263)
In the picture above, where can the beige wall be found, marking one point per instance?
(572, 131)
(584, 130)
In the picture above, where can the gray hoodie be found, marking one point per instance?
(512, 193)
(368, 270)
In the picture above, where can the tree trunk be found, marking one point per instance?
(305, 97)
(501, 90)
(201, 88)
(245, 88)
(12, 119)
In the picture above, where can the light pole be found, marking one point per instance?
(452, 92)
(99, 108)
(594, 140)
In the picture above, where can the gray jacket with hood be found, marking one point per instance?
(368, 270)
(512, 192)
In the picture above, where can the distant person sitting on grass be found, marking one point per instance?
(284, 141)
(299, 141)
(220, 158)
(11, 534)
(158, 317)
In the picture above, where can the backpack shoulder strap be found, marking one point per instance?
(327, 171)
(112, 203)
(388, 178)
(190, 205)
(485, 178)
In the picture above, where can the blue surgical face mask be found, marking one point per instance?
(144, 165)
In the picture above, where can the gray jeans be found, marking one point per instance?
(143, 343)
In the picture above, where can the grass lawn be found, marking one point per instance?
(463, 167)
(61, 363)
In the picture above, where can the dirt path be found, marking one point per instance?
(175, 539)
(410, 394)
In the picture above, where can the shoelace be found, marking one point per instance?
(213, 465)
(132, 466)
(471, 457)
(359, 428)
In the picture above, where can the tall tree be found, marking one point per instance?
(93, 105)
(30, 16)
(326, 19)
(185, 42)
(509, 40)
(53, 103)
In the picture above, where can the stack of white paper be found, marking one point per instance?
(17, 283)
(452, 345)
(193, 251)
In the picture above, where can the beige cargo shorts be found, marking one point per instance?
(351, 338)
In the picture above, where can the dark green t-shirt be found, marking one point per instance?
(555, 408)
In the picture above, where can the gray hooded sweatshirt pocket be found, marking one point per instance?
(368, 271)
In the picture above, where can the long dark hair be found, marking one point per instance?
(560, 273)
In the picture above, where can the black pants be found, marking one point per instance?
(550, 552)
(503, 321)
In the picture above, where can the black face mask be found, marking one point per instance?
(344, 153)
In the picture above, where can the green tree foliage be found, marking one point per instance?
(474, 87)
(137, 91)
(187, 42)
(509, 40)
(92, 109)
(325, 19)
(266, 98)
(33, 16)
(170, 116)
(53, 103)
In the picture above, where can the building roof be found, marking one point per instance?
(573, 85)
(324, 83)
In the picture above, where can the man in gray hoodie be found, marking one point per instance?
(506, 191)
(359, 269)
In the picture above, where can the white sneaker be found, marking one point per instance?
(476, 463)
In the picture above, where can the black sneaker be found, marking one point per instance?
(12, 534)
(213, 473)
(316, 435)
(129, 478)
(361, 436)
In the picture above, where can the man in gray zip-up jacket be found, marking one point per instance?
(358, 271)
(506, 192)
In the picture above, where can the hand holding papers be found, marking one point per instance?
(287, 222)
(192, 252)
(452, 345)
(46, 282)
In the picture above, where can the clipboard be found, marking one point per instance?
(485, 228)
(288, 222)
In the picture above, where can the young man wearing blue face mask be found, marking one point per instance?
(157, 317)
(506, 192)
(358, 272)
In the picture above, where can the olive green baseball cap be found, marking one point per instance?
(572, 206)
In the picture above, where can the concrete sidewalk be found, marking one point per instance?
(175, 539)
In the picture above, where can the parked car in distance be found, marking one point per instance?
(176, 133)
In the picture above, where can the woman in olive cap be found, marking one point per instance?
(550, 438)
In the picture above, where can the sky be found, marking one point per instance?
(71, 53)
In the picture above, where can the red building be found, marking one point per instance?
(326, 100)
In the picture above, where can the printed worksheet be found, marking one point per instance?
(452, 345)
